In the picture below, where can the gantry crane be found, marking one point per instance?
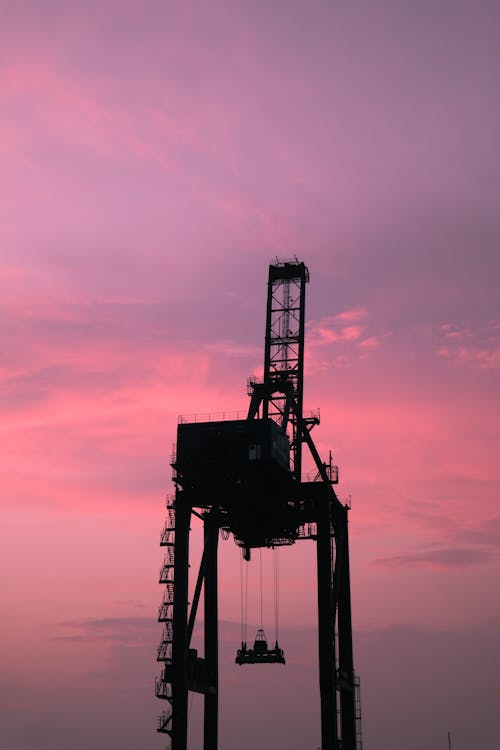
(244, 477)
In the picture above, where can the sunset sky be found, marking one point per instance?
(155, 157)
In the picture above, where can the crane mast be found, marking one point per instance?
(244, 477)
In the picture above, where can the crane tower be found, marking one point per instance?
(244, 477)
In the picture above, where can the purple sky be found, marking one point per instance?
(154, 158)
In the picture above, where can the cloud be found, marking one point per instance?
(336, 341)
(382, 656)
(372, 342)
(333, 329)
(75, 115)
(471, 346)
(92, 392)
(108, 630)
(353, 315)
(484, 531)
(440, 661)
(437, 558)
(234, 349)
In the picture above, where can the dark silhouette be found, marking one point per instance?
(244, 477)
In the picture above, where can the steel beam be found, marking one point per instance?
(180, 629)
(346, 665)
(211, 698)
(326, 628)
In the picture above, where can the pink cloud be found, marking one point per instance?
(352, 316)
(372, 342)
(334, 328)
(438, 558)
(234, 349)
(76, 114)
(339, 340)
(471, 347)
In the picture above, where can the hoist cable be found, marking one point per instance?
(276, 591)
(246, 603)
(242, 611)
(260, 565)
(244, 599)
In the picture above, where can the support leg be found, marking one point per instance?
(346, 666)
(326, 629)
(179, 640)
(211, 531)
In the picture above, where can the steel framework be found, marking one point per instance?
(245, 477)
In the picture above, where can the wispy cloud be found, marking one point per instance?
(335, 341)
(344, 327)
(354, 315)
(471, 346)
(459, 557)
(233, 349)
(125, 630)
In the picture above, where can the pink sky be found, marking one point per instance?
(154, 158)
